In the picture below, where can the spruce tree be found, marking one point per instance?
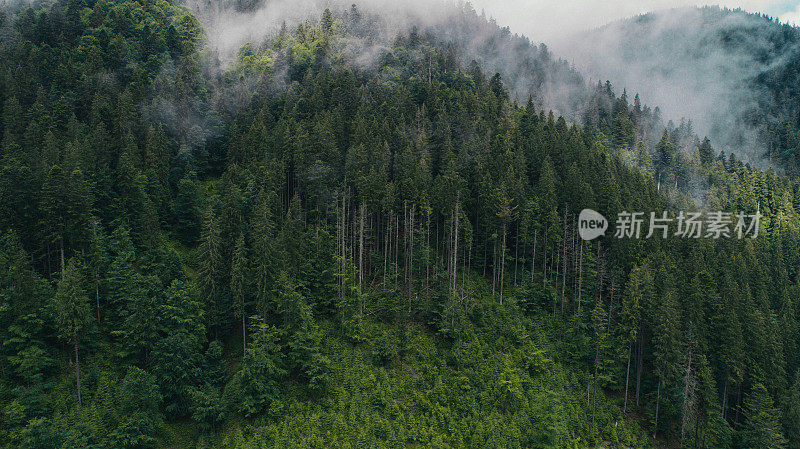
(240, 284)
(210, 269)
(762, 428)
(72, 311)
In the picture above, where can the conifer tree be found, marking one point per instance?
(791, 415)
(209, 256)
(761, 428)
(73, 312)
(706, 152)
(239, 284)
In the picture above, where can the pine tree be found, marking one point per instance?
(54, 205)
(176, 359)
(791, 415)
(637, 293)
(72, 311)
(706, 152)
(666, 340)
(547, 208)
(761, 428)
(267, 257)
(665, 155)
(186, 211)
(256, 384)
(139, 404)
(209, 257)
(239, 284)
(644, 159)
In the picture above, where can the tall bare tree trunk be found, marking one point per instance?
(405, 243)
(725, 395)
(448, 252)
(386, 248)
(599, 271)
(598, 301)
(555, 280)
(544, 262)
(77, 366)
(503, 264)
(533, 253)
(61, 248)
(639, 366)
(658, 402)
(436, 252)
(738, 405)
(494, 268)
(610, 306)
(343, 246)
(594, 378)
(411, 258)
(627, 376)
(428, 257)
(574, 260)
(485, 255)
(557, 265)
(362, 210)
(465, 267)
(688, 392)
(96, 274)
(564, 276)
(516, 257)
(564, 270)
(455, 247)
(580, 277)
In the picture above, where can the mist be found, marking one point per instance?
(554, 21)
(707, 65)
(704, 64)
(231, 24)
(695, 64)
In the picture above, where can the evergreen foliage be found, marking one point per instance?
(359, 256)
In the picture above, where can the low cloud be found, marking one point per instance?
(791, 17)
(551, 21)
(228, 25)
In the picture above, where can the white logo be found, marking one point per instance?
(591, 224)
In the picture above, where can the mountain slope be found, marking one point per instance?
(304, 250)
(734, 74)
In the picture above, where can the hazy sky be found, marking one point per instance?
(547, 20)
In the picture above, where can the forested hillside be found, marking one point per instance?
(735, 74)
(300, 250)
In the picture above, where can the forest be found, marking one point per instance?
(744, 79)
(303, 249)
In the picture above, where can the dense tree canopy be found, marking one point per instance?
(299, 251)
